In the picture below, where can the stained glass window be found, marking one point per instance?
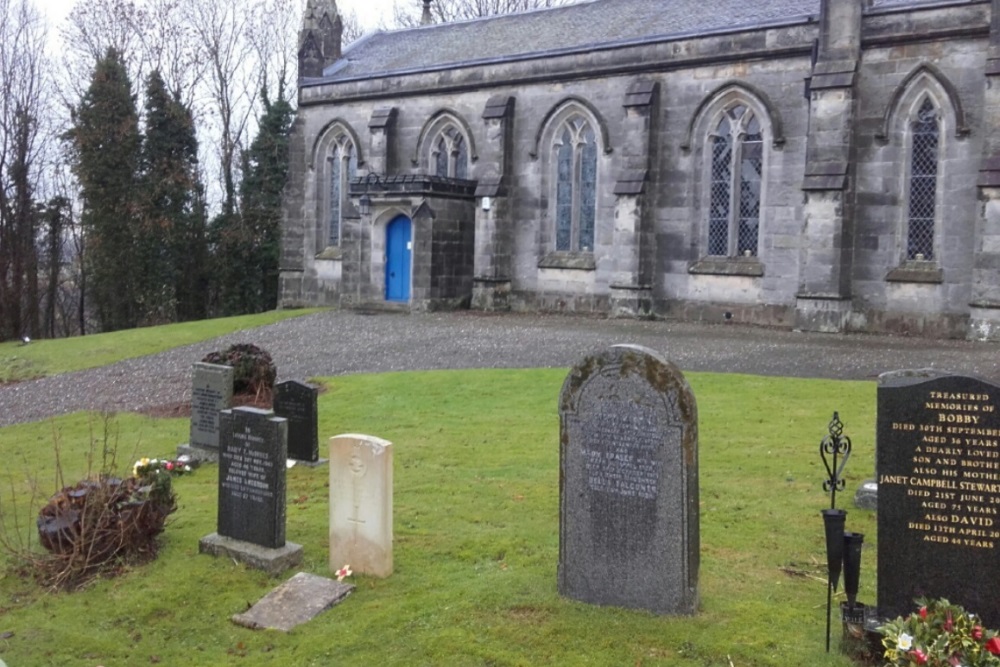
(923, 183)
(736, 175)
(575, 162)
(564, 192)
(343, 166)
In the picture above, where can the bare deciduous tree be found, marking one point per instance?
(408, 13)
(23, 97)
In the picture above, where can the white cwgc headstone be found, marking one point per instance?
(361, 504)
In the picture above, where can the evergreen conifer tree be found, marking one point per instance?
(171, 239)
(106, 139)
(248, 243)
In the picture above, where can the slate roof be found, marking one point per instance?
(580, 27)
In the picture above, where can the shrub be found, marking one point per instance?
(253, 369)
(93, 526)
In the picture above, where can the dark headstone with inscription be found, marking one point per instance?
(938, 462)
(628, 500)
(211, 391)
(251, 511)
(296, 402)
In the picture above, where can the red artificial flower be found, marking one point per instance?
(923, 612)
(977, 632)
(993, 646)
(919, 656)
(170, 465)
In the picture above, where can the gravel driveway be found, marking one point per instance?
(341, 342)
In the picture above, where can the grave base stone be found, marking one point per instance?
(198, 454)
(298, 600)
(272, 561)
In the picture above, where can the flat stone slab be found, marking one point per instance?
(272, 561)
(300, 599)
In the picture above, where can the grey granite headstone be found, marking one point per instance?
(294, 602)
(628, 500)
(938, 460)
(297, 402)
(211, 392)
(251, 510)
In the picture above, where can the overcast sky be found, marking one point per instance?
(368, 11)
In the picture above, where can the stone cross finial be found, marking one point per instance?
(426, 18)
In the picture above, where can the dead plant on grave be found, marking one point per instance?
(93, 527)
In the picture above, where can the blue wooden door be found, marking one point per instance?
(398, 251)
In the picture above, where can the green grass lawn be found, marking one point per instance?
(476, 537)
(61, 355)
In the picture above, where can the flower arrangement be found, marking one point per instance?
(940, 634)
(154, 476)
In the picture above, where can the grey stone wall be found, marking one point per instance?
(904, 52)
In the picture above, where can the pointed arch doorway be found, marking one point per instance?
(398, 258)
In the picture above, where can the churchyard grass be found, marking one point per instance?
(45, 357)
(476, 537)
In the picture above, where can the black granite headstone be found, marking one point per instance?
(297, 402)
(628, 500)
(252, 471)
(938, 461)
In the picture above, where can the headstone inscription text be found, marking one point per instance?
(938, 461)
(629, 491)
(297, 402)
(211, 391)
(252, 477)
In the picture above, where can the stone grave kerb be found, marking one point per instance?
(629, 517)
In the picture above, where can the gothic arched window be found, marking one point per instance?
(923, 177)
(737, 167)
(450, 154)
(575, 165)
(342, 166)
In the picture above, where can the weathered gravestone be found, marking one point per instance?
(938, 461)
(297, 402)
(298, 600)
(361, 504)
(211, 392)
(628, 470)
(251, 511)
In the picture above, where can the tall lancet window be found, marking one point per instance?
(576, 185)
(925, 137)
(737, 150)
(342, 167)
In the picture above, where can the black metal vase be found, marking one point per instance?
(833, 520)
(852, 565)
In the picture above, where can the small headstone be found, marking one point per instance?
(938, 461)
(211, 392)
(361, 504)
(297, 402)
(300, 599)
(628, 502)
(251, 512)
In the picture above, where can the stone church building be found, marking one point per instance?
(825, 165)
